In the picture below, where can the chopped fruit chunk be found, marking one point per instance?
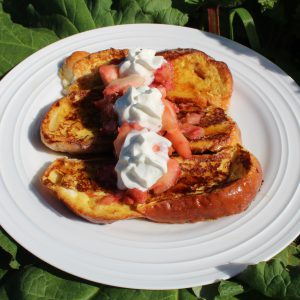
(169, 118)
(135, 196)
(108, 73)
(164, 76)
(123, 131)
(120, 85)
(193, 118)
(192, 132)
(169, 179)
(171, 126)
(180, 143)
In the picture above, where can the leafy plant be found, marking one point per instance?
(23, 276)
(271, 27)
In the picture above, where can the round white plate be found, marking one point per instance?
(138, 253)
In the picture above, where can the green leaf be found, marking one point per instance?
(141, 11)
(249, 26)
(3, 293)
(113, 293)
(101, 12)
(229, 288)
(18, 42)
(273, 279)
(197, 290)
(267, 4)
(65, 17)
(290, 255)
(33, 283)
(10, 247)
(2, 273)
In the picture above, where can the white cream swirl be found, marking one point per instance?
(142, 105)
(143, 160)
(142, 62)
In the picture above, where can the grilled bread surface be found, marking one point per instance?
(210, 186)
(220, 179)
(80, 70)
(74, 126)
(199, 78)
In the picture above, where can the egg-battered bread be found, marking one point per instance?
(210, 186)
(197, 76)
(75, 126)
(220, 179)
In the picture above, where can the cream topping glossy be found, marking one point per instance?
(142, 105)
(143, 160)
(142, 62)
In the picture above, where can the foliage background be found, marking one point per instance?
(28, 25)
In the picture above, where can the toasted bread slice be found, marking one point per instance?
(74, 126)
(80, 70)
(197, 76)
(210, 186)
(220, 130)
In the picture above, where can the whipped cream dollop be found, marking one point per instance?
(142, 62)
(143, 160)
(142, 105)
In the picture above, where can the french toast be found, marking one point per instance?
(216, 178)
(75, 126)
(210, 186)
(197, 76)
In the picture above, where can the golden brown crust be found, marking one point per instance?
(232, 198)
(74, 127)
(199, 78)
(211, 186)
(80, 71)
(74, 182)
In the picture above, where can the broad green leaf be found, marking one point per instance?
(10, 247)
(101, 12)
(18, 42)
(249, 26)
(141, 11)
(229, 288)
(209, 291)
(273, 279)
(267, 4)
(197, 290)
(3, 293)
(33, 283)
(290, 255)
(2, 273)
(113, 293)
(65, 17)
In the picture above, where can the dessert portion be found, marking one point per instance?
(177, 155)
(210, 186)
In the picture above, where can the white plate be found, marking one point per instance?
(137, 253)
